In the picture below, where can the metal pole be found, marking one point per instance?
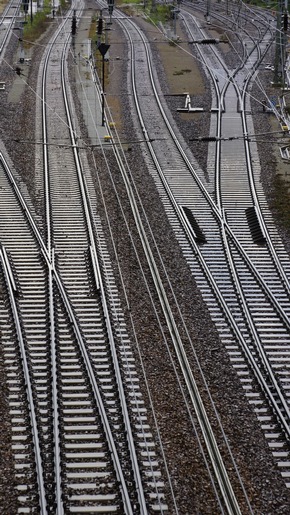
(277, 64)
(207, 14)
(175, 23)
(103, 92)
(31, 15)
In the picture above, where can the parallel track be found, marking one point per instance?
(59, 341)
(92, 443)
(185, 198)
(7, 23)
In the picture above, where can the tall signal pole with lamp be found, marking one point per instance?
(103, 48)
(281, 35)
(110, 9)
(74, 24)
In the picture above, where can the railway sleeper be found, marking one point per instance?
(197, 232)
(254, 226)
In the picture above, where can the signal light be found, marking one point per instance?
(100, 26)
(110, 6)
(110, 9)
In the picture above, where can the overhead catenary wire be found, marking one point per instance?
(165, 39)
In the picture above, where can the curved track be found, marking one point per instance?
(83, 419)
(249, 281)
(82, 442)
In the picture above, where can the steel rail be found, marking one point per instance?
(95, 388)
(277, 305)
(260, 349)
(240, 338)
(122, 168)
(223, 222)
(101, 287)
(58, 280)
(256, 203)
(229, 231)
(209, 438)
(23, 204)
(49, 260)
(52, 273)
(241, 297)
(225, 18)
(34, 429)
(50, 255)
(242, 96)
(9, 28)
(261, 380)
(258, 344)
(240, 294)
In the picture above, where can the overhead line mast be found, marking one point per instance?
(281, 37)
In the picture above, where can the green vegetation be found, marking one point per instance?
(137, 2)
(182, 72)
(32, 31)
(64, 4)
(40, 20)
(155, 12)
(35, 28)
(159, 12)
(281, 200)
(264, 3)
(93, 30)
(2, 4)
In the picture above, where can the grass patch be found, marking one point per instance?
(262, 3)
(34, 29)
(93, 29)
(2, 4)
(159, 12)
(155, 12)
(281, 201)
(136, 2)
(40, 21)
(182, 72)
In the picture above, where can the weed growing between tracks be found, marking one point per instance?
(34, 28)
(32, 31)
(281, 201)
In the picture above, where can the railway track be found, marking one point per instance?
(246, 278)
(215, 459)
(78, 408)
(82, 441)
(7, 22)
(236, 193)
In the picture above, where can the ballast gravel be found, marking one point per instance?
(190, 490)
